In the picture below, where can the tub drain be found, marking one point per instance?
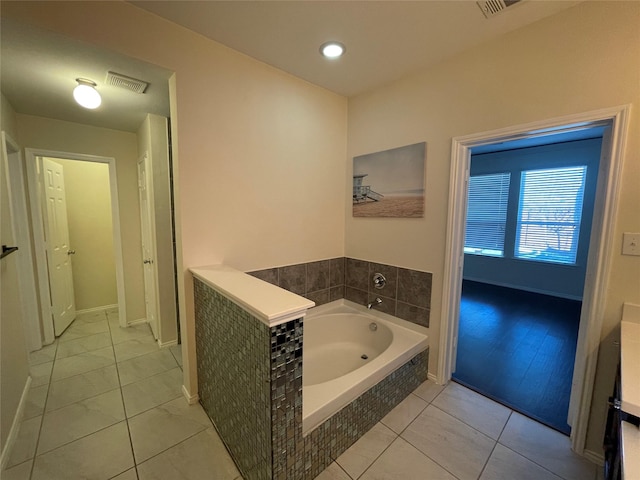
(364, 356)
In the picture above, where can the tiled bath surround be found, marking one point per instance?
(406, 295)
(232, 350)
(250, 384)
(321, 282)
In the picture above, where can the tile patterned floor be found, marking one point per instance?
(454, 433)
(106, 403)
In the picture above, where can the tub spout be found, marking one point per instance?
(376, 302)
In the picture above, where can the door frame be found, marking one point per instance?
(145, 160)
(26, 277)
(31, 155)
(602, 245)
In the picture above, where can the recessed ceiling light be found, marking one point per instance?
(86, 94)
(332, 49)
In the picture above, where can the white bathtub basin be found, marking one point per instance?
(336, 337)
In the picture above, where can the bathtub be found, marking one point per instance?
(347, 349)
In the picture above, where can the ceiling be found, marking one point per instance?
(38, 75)
(385, 41)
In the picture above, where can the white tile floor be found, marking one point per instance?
(454, 433)
(106, 403)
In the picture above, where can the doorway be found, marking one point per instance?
(94, 182)
(529, 215)
(615, 121)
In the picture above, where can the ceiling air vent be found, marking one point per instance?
(128, 83)
(493, 7)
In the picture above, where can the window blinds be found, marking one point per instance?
(549, 214)
(487, 214)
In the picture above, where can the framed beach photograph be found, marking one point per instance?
(390, 183)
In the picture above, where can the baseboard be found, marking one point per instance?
(136, 322)
(15, 426)
(432, 377)
(526, 289)
(595, 457)
(168, 344)
(191, 399)
(96, 309)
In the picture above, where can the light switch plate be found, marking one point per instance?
(631, 243)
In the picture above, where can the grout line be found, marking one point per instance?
(124, 408)
(465, 423)
(486, 462)
(44, 410)
(434, 461)
(376, 458)
(83, 399)
(340, 467)
(78, 374)
(175, 445)
(505, 425)
(560, 477)
(414, 418)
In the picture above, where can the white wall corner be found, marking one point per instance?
(168, 344)
(136, 322)
(594, 457)
(191, 399)
(433, 377)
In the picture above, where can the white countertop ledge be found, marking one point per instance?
(270, 304)
(630, 359)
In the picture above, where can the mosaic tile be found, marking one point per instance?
(250, 385)
(232, 350)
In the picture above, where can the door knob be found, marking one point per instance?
(71, 252)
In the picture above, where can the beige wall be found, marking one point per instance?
(90, 233)
(153, 139)
(60, 136)
(260, 154)
(582, 59)
(14, 364)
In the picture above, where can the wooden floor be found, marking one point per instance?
(518, 348)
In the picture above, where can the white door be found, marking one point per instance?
(148, 242)
(63, 307)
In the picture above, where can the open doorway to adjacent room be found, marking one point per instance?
(530, 208)
(529, 215)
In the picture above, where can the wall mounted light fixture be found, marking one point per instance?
(332, 49)
(86, 94)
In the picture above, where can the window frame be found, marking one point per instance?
(537, 158)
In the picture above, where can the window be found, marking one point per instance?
(487, 214)
(549, 214)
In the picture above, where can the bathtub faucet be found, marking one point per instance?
(376, 302)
